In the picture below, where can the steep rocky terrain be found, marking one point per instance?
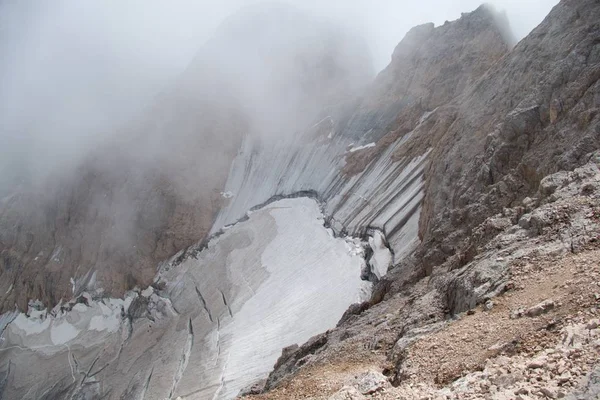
(467, 169)
(534, 112)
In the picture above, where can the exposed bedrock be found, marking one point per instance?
(533, 113)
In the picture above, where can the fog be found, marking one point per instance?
(73, 72)
(119, 120)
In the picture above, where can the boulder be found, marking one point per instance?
(347, 393)
(371, 382)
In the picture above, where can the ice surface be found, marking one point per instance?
(63, 332)
(321, 279)
(280, 260)
(30, 326)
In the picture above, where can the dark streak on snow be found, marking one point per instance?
(203, 302)
(226, 304)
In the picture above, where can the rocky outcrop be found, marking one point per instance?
(430, 67)
(533, 113)
(433, 65)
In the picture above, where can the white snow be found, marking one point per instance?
(80, 307)
(386, 195)
(382, 257)
(56, 254)
(366, 146)
(101, 323)
(62, 332)
(50, 331)
(147, 292)
(92, 282)
(30, 326)
(427, 115)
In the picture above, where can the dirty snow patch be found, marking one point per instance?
(62, 332)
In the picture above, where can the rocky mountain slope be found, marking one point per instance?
(442, 175)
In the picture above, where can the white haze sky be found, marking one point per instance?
(72, 69)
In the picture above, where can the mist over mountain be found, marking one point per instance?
(75, 73)
(151, 187)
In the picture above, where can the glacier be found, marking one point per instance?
(210, 325)
(286, 257)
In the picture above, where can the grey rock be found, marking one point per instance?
(590, 389)
(370, 382)
(254, 389)
(347, 393)
(525, 221)
(549, 393)
(290, 359)
(540, 308)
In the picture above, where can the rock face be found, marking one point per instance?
(533, 113)
(371, 382)
(371, 186)
(429, 68)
